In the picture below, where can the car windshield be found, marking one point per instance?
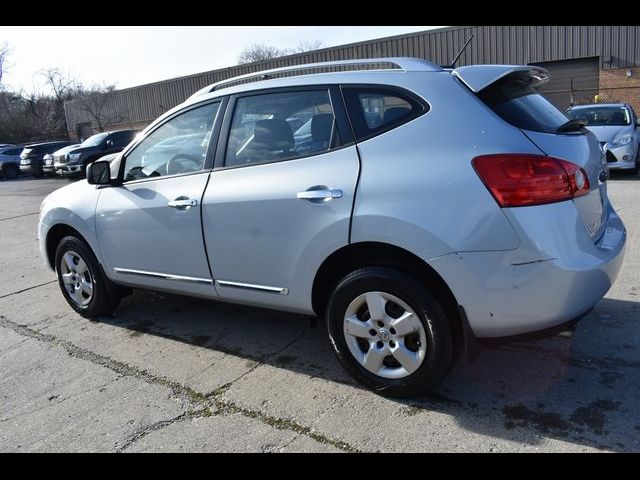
(601, 116)
(94, 140)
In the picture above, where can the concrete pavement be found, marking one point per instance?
(170, 373)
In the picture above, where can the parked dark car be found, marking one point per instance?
(74, 161)
(31, 158)
(9, 161)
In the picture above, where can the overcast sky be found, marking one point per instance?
(129, 56)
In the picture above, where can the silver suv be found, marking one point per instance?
(425, 208)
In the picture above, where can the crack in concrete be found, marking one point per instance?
(18, 216)
(154, 427)
(27, 289)
(191, 397)
(261, 361)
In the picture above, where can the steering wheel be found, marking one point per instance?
(183, 164)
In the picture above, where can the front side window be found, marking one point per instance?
(279, 126)
(178, 146)
(121, 139)
(375, 110)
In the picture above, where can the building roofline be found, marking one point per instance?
(288, 57)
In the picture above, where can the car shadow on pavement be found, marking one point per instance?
(583, 390)
(615, 175)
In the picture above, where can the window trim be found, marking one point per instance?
(401, 92)
(211, 148)
(343, 128)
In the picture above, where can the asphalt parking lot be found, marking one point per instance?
(169, 373)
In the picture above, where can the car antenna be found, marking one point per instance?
(453, 62)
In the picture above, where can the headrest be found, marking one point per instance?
(321, 125)
(274, 133)
(394, 113)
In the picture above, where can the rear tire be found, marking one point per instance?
(10, 172)
(37, 174)
(81, 279)
(403, 363)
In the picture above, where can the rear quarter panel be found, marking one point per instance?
(418, 189)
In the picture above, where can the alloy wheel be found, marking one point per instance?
(77, 278)
(385, 335)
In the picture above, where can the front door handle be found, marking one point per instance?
(320, 194)
(183, 203)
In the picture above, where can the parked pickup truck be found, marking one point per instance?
(74, 162)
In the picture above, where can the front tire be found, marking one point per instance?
(81, 280)
(636, 169)
(389, 332)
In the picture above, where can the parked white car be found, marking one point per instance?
(617, 128)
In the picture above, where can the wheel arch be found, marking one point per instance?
(356, 255)
(57, 233)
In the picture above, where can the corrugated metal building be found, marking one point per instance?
(584, 61)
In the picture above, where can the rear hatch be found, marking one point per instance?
(510, 92)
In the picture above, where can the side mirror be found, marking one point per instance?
(109, 143)
(99, 173)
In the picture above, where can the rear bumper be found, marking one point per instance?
(542, 284)
(31, 168)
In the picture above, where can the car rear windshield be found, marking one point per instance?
(513, 100)
(599, 116)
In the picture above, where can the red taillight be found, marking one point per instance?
(518, 180)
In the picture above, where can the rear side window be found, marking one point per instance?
(513, 100)
(374, 110)
(273, 127)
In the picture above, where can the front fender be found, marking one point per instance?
(73, 206)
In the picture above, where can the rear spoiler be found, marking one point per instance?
(478, 77)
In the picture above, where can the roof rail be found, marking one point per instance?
(405, 64)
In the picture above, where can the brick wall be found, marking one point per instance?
(615, 86)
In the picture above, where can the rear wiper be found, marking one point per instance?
(573, 125)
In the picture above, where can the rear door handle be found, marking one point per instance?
(183, 203)
(327, 194)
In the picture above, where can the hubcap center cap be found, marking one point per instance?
(383, 335)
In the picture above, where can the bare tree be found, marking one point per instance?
(259, 52)
(44, 114)
(4, 54)
(64, 87)
(306, 46)
(98, 103)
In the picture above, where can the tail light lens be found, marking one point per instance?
(518, 180)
